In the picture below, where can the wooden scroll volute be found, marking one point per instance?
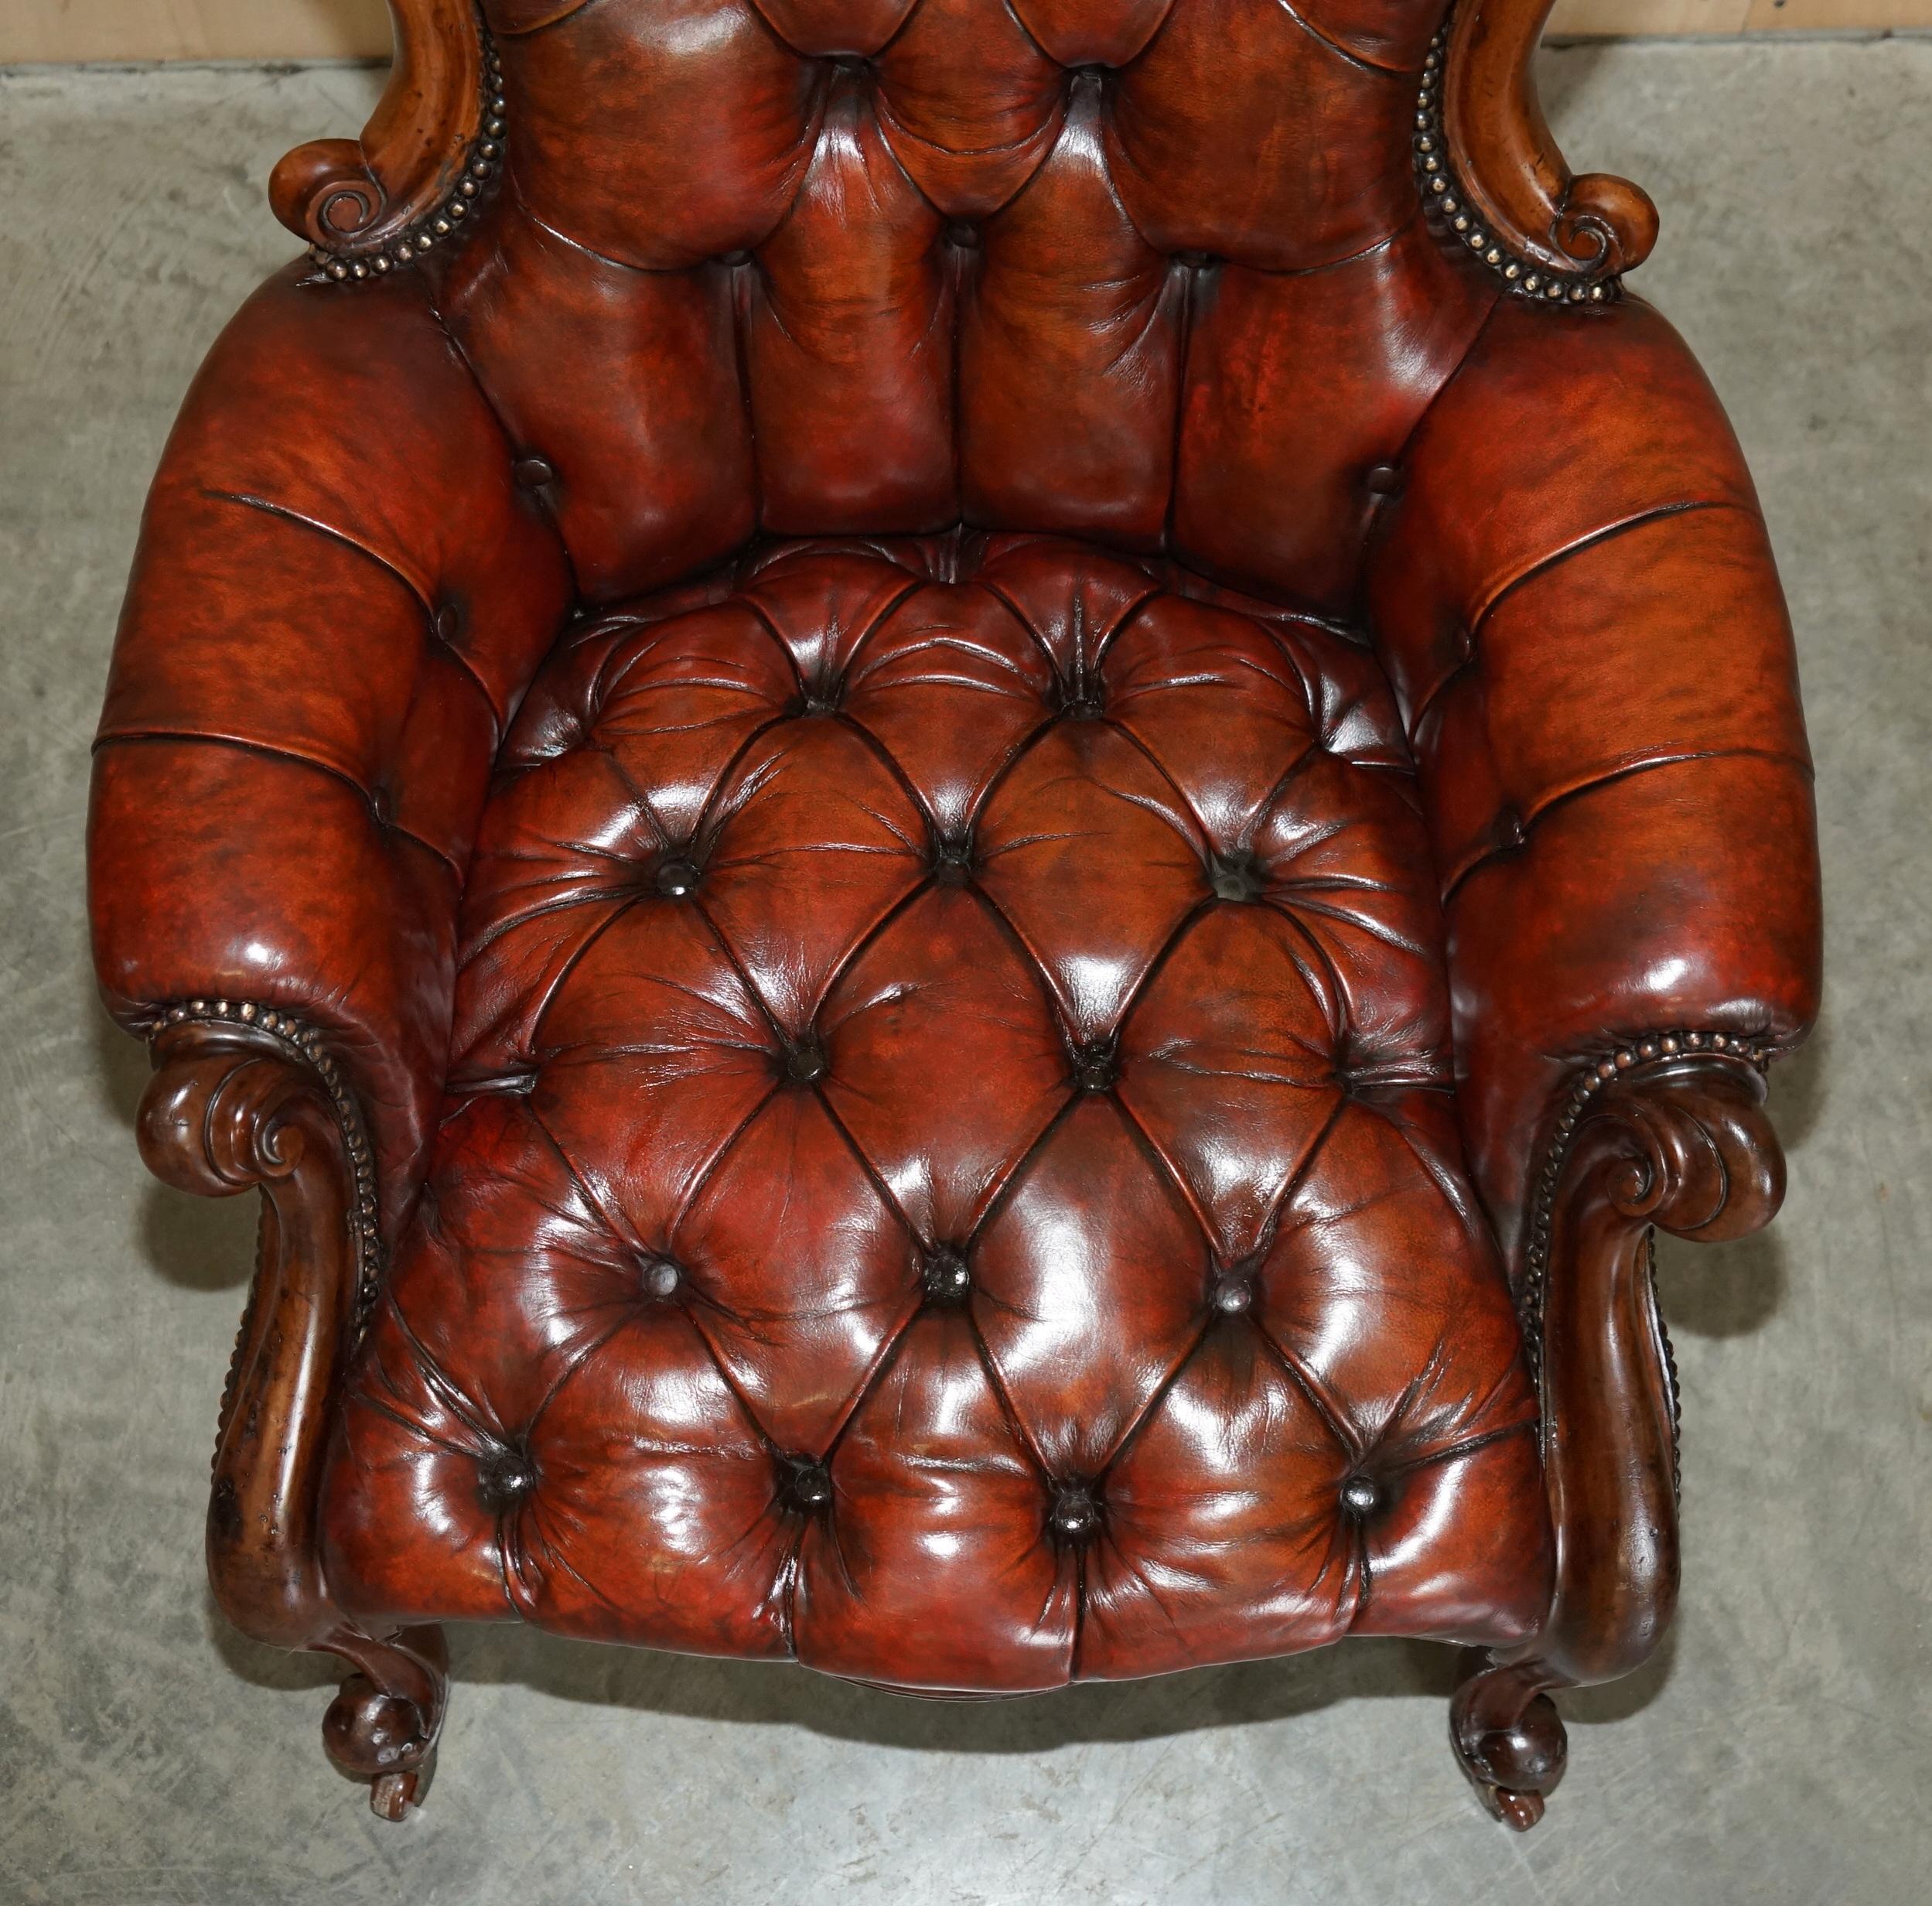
(355, 197)
(228, 1110)
(1670, 1132)
(1683, 1145)
(1588, 227)
(238, 1104)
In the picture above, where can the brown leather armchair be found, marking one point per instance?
(967, 804)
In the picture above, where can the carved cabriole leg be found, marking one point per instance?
(1509, 1740)
(242, 1097)
(1669, 1131)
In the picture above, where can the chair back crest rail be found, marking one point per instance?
(1489, 166)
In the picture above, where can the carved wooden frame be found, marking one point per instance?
(1672, 1132)
(431, 148)
(1492, 171)
(1669, 1131)
(1490, 168)
(244, 1096)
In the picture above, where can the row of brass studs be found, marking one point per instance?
(1594, 1078)
(485, 157)
(1442, 195)
(306, 1043)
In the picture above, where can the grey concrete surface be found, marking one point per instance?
(1777, 1751)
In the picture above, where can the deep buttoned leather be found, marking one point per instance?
(949, 1168)
(953, 1088)
(1156, 274)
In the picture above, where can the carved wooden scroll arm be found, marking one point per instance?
(1685, 1145)
(1670, 1132)
(1492, 170)
(239, 1103)
(366, 205)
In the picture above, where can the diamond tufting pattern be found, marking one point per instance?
(1154, 273)
(953, 741)
(949, 1169)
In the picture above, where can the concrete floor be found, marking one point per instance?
(1778, 1751)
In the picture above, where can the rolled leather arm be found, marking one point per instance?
(339, 594)
(1575, 599)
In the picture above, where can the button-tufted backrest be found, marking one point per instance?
(1150, 271)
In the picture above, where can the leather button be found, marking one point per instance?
(1085, 703)
(1196, 260)
(1232, 1294)
(807, 1486)
(449, 623)
(1235, 878)
(1360, 1496)
(382, 806)
(1075, 1518)
(952, 862)
(1384, 479)
(1096, 1066)
(823, 701)
(532, 473)
(965, 236)
(505, 1478)
(676, 878)
(804, 1062)
(733, 259)
(1510, 830)
(661, 1277)
(946, 1279)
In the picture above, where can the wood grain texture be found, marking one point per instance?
(368, 194)
(1586, 228)
(232, 1107)
(1678, 1139)
(1680, 1142)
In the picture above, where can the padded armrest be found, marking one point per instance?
(339, 595)
(1576, 601)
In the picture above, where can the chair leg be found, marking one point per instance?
(383, 1726)
(1509, 1740)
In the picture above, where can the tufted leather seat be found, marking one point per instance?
(949, 1169)
(947, 771)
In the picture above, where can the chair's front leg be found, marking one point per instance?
(1670, 1131)
(245, 1096)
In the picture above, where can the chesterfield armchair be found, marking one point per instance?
(967, 805)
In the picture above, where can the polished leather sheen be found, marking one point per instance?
(961, 742)
(968, 1015)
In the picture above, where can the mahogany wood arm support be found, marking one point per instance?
(1670, 1132)
(243, 1097)
(368, 205)
(1679, 1139)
